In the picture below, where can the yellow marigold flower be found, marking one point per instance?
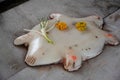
(81, 26)
(61, 25)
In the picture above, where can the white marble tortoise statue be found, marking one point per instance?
(66, 40)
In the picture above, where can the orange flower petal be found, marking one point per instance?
(74, 58)
(109, 35)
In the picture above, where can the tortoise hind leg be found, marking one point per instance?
(111, 39)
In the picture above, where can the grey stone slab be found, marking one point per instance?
(11, 57)
(53, 72)
(106, 66)
(77, 8)
(13, 21)
(112, 23)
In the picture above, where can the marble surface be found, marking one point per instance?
(12, 22)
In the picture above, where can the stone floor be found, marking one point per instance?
(12, 22)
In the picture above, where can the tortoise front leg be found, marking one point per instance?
(72, 62)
